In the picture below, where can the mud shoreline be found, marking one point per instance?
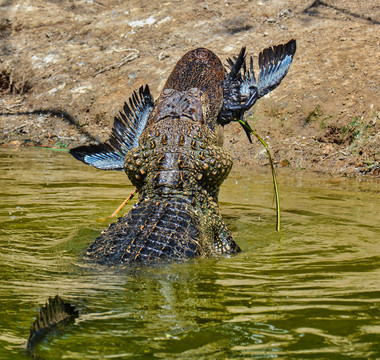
(67, 67)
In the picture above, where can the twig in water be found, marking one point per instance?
(125, 202)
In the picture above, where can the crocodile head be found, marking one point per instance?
(200, 74)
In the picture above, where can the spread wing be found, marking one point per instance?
(274, 63)
(241, 90)
(126, 131)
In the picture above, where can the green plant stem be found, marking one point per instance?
(278, 222)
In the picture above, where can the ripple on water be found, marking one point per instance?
(311, 292)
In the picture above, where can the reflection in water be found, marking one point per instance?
(311, 292)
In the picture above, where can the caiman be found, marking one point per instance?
(172, 151)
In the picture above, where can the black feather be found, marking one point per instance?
(125, 135)
(235, 66)
(274, 64)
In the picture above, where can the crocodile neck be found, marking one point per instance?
(179, 154)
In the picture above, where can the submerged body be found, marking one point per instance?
(171, 150)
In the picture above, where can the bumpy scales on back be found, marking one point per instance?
(171, 150)
(54, 314)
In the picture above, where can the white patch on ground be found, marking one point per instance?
(40, 61)
(60, 87)
(164, 20)
(141, 23)
(82, 89)
(228, 49)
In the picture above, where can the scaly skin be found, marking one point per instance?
(177, 168)
(179, 164)
(172, 152)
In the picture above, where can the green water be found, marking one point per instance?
(311, 292)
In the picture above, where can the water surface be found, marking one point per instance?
(310, 292)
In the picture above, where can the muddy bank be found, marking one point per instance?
(66, 68)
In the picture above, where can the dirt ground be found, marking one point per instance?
(66, 68)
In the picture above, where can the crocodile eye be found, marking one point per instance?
(167, 91)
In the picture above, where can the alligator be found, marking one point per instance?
(172, 151)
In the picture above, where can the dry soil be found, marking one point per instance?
(66, 68)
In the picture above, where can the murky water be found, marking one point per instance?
(311, 292)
